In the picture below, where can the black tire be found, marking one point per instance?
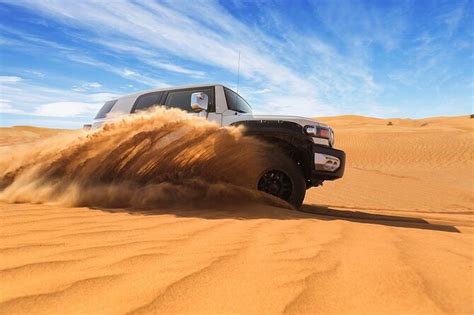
(283, 179)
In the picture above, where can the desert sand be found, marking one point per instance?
(394, 236)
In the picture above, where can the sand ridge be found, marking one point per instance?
(394, 236)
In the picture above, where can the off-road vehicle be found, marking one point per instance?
(307, 144)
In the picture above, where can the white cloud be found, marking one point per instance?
(291, 65)
(125, 73)
(9, 79)
(138, 77)
(101, 97)
(87, 86)
(284, 105)
(7, 108)
(263, 91)
(47, 101)
(129, 73)
(175, 68)
(30, 40)
(289, 72)
(93, 85)
(36, 73)
(66, 109)
(189, 36)
(86, 108)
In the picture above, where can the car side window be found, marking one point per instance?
(182, 99)
(147, 100)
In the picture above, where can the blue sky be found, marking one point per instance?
(60, 60)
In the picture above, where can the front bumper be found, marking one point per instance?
(324, 160)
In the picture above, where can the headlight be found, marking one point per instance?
(320, 132)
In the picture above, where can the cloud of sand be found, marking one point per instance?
(159, 158)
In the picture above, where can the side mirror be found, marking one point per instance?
(199, 101)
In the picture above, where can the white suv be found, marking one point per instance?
(307, 144)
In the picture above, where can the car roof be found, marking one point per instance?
(170, 88)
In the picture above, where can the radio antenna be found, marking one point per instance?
(238, 74)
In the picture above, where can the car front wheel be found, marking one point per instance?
(284, 180)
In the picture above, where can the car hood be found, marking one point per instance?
(303, 121)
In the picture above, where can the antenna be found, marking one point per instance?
(238, 74)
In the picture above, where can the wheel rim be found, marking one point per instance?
(276, 183)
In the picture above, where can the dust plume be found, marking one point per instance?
(159, 158)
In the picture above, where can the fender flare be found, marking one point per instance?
(287, 135)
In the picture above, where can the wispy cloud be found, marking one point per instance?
(93, 85)
(143, 29)
(9, 79)
(263, 91)
(21, 38)
(36, 73)
(45, 101)
(190, 36)
(66, 109)
(87, 86)
(452, 19)
(317, 58)
(123, 72)
(7, 108)
(176, 68)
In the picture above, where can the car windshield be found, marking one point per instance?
(235, 102)
(105, 109)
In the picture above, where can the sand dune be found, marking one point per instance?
(394, 236)
(26, 134)
(406, 166)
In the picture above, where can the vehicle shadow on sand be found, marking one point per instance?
(328, 213)
(307, 212)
